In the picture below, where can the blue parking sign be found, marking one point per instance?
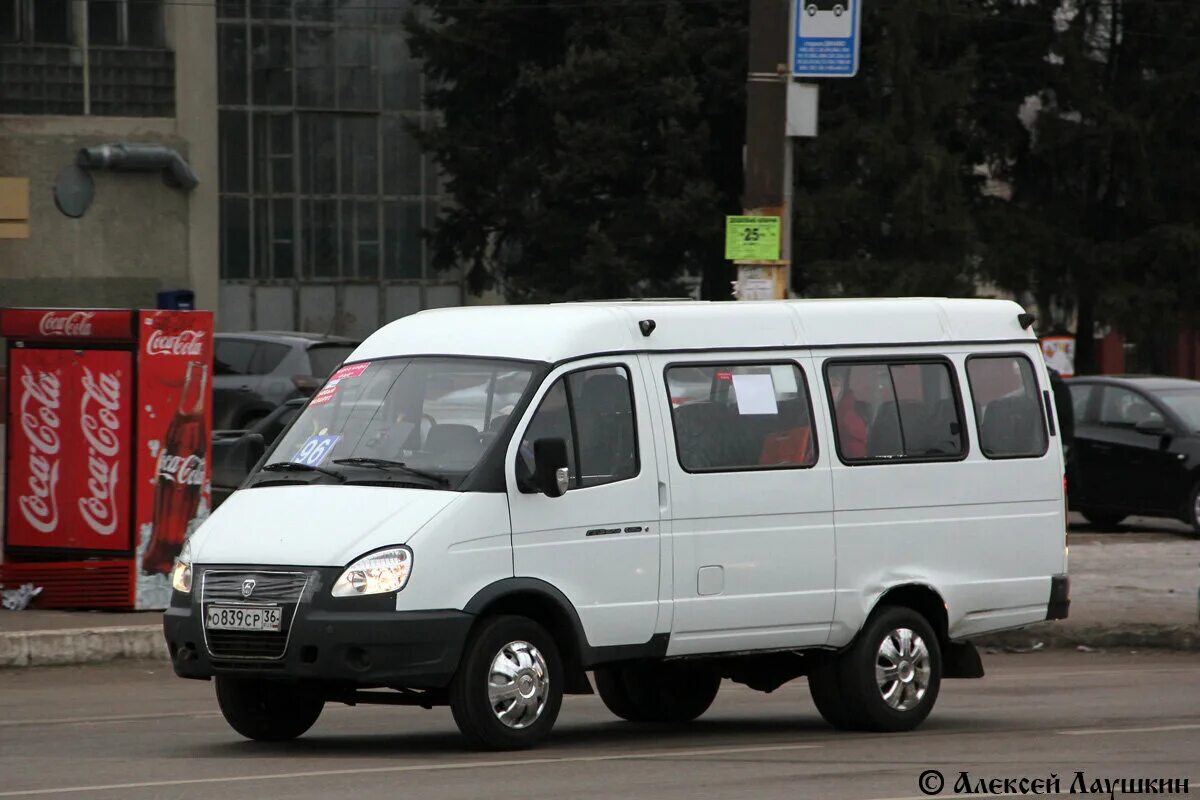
(826, 38)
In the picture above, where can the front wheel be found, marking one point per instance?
(267, 711)
(508, 690)
(891, 675)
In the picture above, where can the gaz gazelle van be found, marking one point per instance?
(485, 504)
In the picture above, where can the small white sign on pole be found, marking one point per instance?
(802, 104)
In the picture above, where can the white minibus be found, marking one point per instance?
(483, 505)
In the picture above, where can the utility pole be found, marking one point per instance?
(767, 187)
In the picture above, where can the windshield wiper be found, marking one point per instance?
(385, 464)
(292, 466)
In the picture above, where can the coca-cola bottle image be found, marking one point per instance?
(180, 473)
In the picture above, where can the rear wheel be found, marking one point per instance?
(891, 675)
(508, 690)
(1194, 506)
(658, 692)
(1104, 519)
(267, 711)
(610, 685)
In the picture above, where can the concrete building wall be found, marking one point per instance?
(140, 235)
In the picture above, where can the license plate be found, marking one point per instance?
(226, 618)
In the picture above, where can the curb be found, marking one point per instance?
(1143, 636)
(81, 646)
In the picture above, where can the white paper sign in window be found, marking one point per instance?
(755, 394)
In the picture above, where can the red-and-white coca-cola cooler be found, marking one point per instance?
(108, 451)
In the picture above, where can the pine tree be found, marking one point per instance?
(1090, 117)
(591, 150)
(883, 200)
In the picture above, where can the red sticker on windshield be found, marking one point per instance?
(325, 395)
(724, 376)
(350, 371)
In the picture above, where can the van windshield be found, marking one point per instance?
(424, 420)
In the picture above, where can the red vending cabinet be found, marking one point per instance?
(108, 451)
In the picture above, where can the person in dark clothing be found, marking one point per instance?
(1063, 407)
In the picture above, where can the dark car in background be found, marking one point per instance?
(233, 453)
(253, 373)
(1136, 448)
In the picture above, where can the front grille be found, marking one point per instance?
(247, 644)
(277, 588)
(269, 587)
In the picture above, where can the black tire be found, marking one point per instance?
(470, 701)
(610, 685)
(672, 693)
(865, 703)
(1104, 519)
(838, 11)
(267, 711)
(1193, 510)
(824, 684)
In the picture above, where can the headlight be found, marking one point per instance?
(377, 573)
(181, 574)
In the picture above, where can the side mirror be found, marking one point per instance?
(1152, 427)
(550, 473)
(255, 447)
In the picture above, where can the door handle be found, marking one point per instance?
(243, 388)
(1102, 448)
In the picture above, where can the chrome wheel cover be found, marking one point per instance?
(518, 685)
(902, 669)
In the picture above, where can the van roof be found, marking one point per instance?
(563, 331)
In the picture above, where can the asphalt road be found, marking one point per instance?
(133, 730)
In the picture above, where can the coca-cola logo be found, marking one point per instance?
(38, 407)
(181, 469)
(184, 343)
(69, 323)
(99, 410)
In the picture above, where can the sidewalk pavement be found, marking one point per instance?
(1133, 589)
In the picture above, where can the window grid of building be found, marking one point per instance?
(321, 177)
(50, 50)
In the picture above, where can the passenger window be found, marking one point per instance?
(1008, 408)
(1081, 401)
(592, 410)
(741, 417)
(894, 411)
(1124, 408)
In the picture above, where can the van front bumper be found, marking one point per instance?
(412, 649)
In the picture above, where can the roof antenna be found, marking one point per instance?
(1026, 319)
(647, 326)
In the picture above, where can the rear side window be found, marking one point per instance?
(895, 410)
(325, 358)
(730, 417)
(268, 357)
(233, 356)
(1081, 400)
(1008, 409)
